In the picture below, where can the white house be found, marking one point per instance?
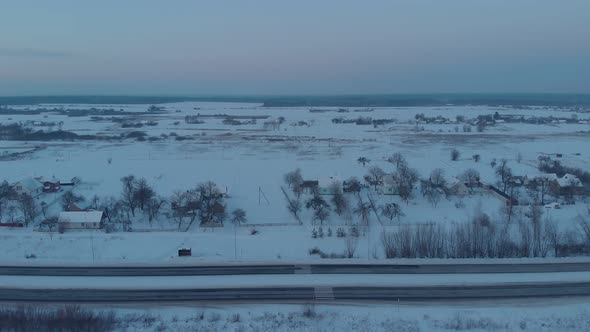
(569, 180)
(456, 186)
(29, 186)
(71, 220)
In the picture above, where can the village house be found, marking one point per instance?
(50, 185)
(29, 186)
(80, 220)
(309, 186)
(456, 187)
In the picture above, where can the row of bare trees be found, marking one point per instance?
(478, 238)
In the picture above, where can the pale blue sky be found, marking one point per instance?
(293, 47)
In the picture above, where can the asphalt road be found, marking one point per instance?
(202, 270)
(302, 294)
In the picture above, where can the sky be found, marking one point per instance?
(184, 47)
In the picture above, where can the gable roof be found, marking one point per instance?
(570, 179)
(29, 184)
(80, 216)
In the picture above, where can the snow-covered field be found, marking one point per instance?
(540, 316)
(249, 161)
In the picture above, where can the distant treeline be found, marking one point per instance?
(434, 100)
(390, 100)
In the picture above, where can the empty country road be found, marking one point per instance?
(245, 269)
(297, 293)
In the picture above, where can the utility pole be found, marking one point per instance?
(235, 241)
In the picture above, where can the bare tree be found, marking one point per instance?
(406, 179)
(397, 159)
(209, 196)
(391, 211)
(535, 214)
(538, 188)
(375, 176)
(351, 244)
(552, 235)
(6, 193)
(69, 198)
(238, 216)
(354, 185)
(388, 240)
(363, 210)
(28, 208)
(437, 178)
(128, 194)
(143, 193)
(434, 196)
(338, 200)
(504, 174)
(112, 209)
(294, 206)
(471, 178)
(153, 207)
(321, 214)
(294, 178)
(319, 206)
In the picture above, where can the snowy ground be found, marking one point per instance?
(547, 316)
(250, 161)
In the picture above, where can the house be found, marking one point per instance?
(309, 186)
(327, 185)
(73, 207)
(457, 187)
(569, 180)
(80, 220)
(549, 177)
(29, 186)
(50, 185)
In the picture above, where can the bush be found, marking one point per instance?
(340, 232)
(309, 311)
(314, 251)
(314, 233)
(329, 232)
(321, 232)
(67, 318)
(455, 154)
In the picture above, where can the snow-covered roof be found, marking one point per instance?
(30, 184)
(389, 180)
(452, 180)
(44, 179)
(80, 216)
(548, 176)
(568, 180)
